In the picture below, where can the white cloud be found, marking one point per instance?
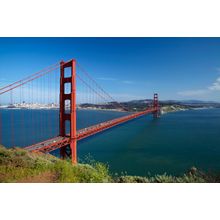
(216, 85)
(190, 93)
(201, 92)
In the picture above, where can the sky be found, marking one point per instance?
(127, 68)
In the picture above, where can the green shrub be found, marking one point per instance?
(163, 179)
(131, 179)
(18, 165)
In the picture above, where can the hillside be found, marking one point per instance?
(141, 105)
(18, 165)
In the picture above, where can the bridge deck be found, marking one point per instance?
(58, 142)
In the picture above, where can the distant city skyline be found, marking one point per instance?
(128, 68)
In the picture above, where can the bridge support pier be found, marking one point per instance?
(71, 116)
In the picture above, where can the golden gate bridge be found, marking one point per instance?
(63, 86)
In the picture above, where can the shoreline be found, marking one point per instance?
(115, 110)
(94, 109)
(185, 109)
(163, 110)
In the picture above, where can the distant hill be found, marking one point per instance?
(179, 104)
(142, 104)
(174, 102)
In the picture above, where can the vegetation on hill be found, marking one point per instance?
(141, 105)
(173, 108)
(19, 165)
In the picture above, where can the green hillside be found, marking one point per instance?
(19, 165)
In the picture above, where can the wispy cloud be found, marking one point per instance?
(114, 79)
(201, 92)
(127, 82)
(4, 80)
(107, 79)
(126, 97)
(215, 86)
(193, 92)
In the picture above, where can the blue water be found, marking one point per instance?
(172, 144)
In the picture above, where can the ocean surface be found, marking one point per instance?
(172, 143)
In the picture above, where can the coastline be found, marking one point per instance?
(165, 110)
(99, 109)
(52, 108)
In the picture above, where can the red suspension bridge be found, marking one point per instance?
(55, 88)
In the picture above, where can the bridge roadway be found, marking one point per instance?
(58, 142)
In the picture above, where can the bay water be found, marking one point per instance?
(170, 144)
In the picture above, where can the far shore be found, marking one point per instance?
(171, 110)
(163, 110)
(94, 109)
(100, 109)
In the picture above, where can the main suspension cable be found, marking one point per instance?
(89, 76)
(28, 79)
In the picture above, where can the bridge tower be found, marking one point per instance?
(156, 106)
(65, 115)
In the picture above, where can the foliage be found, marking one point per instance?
(131, 179)
(192, 176)
(19, 165)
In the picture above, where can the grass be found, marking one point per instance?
(19, 165)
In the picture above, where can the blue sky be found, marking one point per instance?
(128, 68)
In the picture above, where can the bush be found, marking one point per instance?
(81, 173)
(131, 179)
(18, 165)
